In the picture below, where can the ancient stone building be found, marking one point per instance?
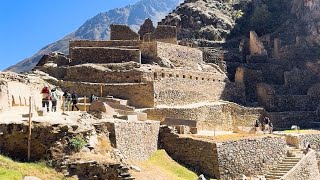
(146, 27)
(150, 73)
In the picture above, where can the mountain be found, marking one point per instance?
(97, 28)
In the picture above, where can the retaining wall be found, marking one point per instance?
(82, 55)
(180, 56)
(140, 95)
(219, 116)
(177, 91)
(136, 139)
(227, 159)
(284, 120)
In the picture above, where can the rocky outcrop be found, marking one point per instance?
(211, 19)
(308, 13)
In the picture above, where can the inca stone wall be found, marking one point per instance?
(284, 120)
(138, 140)
(146, 27)
(81, 55)
(301, 140)
(122, 32)
(173, 91)
(140, 95)
(166, 34)
(16, 92)
(180, 56)
(250, 156)
(278, 103)
(307, 168)
(91, 73)
(201, 155)
(227, 159)
(114, 43)
(201, 86)
(219, 115)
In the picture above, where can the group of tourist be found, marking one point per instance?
(266, 126)
(53, 97)
(68, 98)
(47, 96)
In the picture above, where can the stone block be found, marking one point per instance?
(132, 117)
(27, 115)
(142, 116)
(194, 130)
(41, 113)
(183, 129)
(185, 122)
(98, 106)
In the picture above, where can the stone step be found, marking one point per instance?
(284, 168)
(291, 160)
(125, 174)
(127, 178)
(277, 174)
(288, 163)
(271, 177)
(280, 171)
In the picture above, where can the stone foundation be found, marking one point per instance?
(227, 159)
(139, 95)
(180, 56)
(137, 140)
(82, 55)
(284, 120)
(219, 116)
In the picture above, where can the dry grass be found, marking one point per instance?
(11, 170)
(303, 131)
(160, 166)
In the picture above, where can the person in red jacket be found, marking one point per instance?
(45, 97)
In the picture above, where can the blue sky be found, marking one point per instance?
(28, 25)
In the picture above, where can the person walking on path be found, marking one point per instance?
(54, 99)
(74, 97)
(45, 97)
(266, 122)
(257, 125)
(67, 100)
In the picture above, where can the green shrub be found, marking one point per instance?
(77, 143)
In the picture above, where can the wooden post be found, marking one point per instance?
(100, 90)
(29, 135)
(63, 104)
(85, 103)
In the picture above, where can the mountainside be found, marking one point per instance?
(97, 28)
(210, 19)
(219, 20)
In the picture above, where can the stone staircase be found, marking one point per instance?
(124, 173)
(294, 155)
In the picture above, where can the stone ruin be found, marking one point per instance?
(146, 78)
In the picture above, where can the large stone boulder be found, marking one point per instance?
(99, 106)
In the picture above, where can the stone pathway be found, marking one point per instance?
(294, 155)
